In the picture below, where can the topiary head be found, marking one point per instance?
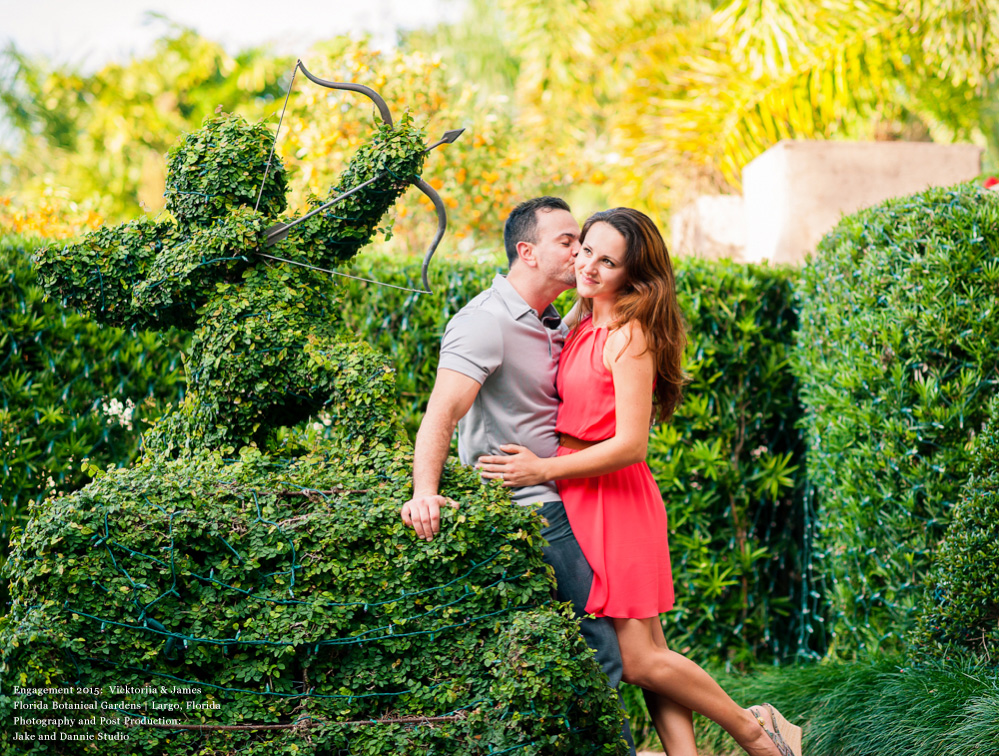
(220, 167)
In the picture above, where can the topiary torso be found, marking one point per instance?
(234, 578)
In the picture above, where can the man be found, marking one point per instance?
(496, 383)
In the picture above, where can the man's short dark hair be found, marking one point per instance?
(522, 225)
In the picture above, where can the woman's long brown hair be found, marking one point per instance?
(649, 296)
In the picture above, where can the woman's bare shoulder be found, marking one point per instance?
(628, 340)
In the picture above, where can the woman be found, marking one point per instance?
(621, 367)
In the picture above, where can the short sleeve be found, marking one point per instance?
(472, 345)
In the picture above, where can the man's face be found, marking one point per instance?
(556, 246)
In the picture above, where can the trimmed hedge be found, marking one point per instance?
(245, 589)
(960, 610)
(897, 355)
(59, 375)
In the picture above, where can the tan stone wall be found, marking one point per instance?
(710, 226)
(796, 192)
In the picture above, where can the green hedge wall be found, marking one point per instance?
(897, 355)
(728, 468)
(59, 375)
(960, 610)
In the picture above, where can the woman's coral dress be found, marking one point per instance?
(619, 518)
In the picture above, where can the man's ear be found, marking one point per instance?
(525, 253)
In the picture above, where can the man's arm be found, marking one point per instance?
(451, 398)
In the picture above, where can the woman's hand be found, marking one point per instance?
(519, 467)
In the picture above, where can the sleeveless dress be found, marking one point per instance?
(618, 518)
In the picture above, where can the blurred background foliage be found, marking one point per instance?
(640, 102)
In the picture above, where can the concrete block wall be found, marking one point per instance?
(795, 192)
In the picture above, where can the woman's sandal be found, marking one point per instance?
(786, 736)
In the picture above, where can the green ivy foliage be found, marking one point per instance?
(60, 373)
(897, 355)
(729, 464)
(268, 576)
(285, 589)
(960, 610)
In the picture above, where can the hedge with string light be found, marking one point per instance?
(60, 377)
(260, 591)
(898, 356)
(248, 587)
(960, 609)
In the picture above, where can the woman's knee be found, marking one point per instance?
(641, 667)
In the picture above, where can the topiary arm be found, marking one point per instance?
(99, 272)
(395, 156)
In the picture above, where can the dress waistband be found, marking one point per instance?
(576, 444)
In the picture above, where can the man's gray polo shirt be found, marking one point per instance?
(498, 341)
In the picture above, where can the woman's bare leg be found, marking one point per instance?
(651, 665)
(674, 722)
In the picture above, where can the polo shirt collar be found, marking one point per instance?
(518, 307)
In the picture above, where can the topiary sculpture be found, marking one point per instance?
(239, 592)
(266, 350)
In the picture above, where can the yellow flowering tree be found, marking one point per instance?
(673, 97)
(97, 143)
(480, 177)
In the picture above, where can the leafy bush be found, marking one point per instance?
(60, 377)
(898, 354)
(961, 607)
(289, 591)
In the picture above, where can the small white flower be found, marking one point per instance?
(116, 412)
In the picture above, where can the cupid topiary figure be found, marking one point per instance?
(267, 350)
